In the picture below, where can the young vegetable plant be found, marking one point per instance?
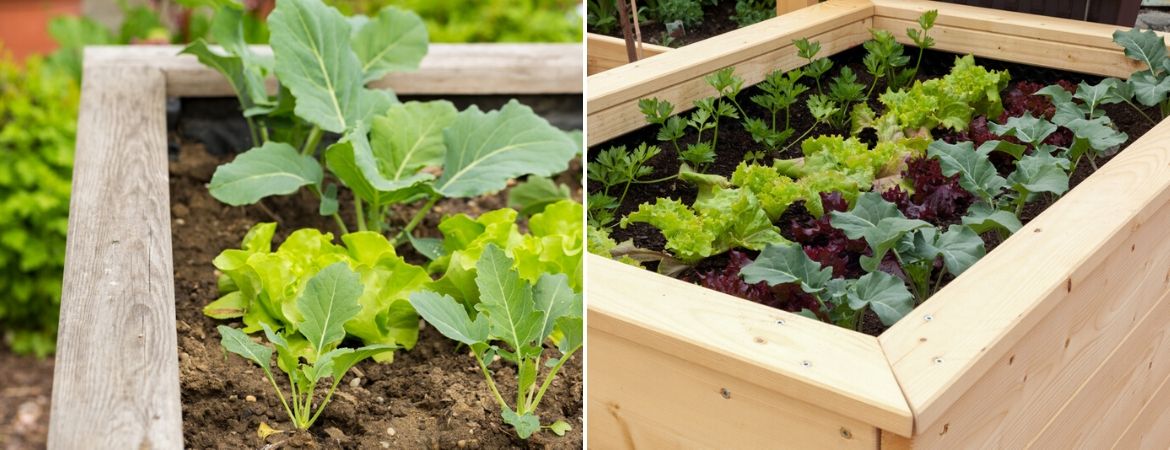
(816, 67)
(921, 40)
(618, 167)
(842, 300)
(884, 56)
(660, 112)
(781, 90)
(1151, 85)
(322, 63)
(330, 300)
(512, 319)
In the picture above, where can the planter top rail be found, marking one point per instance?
(907, 380)
(116, 383)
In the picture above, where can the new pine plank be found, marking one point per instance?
(983, 314)
(787, 6)
(625, 117)
(1107, 61)
(606, 52)
(1149, 431)
(839, 370)
(1103, 407)
(640, 397)
(1030, 384)
(116, 383)
(1002, 23)
(640, 79)
(452, 69)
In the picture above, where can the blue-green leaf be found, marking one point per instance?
(272, 169)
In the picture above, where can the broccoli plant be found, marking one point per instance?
(1150, 86)
(329, 300)
(512, 319)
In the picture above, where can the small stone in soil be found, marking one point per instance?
(385, 444)
(250, 399)
(355, 382)
(335, 433)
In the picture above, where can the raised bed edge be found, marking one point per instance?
(986, 313)
(606, 52)
(116, 382)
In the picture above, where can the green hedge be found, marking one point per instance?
(486, 20)
(38, 114)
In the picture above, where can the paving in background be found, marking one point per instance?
(1154, 19)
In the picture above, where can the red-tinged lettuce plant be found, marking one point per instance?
(825, 244)
(512, 319)
(931, 196)
(727, 280)
(311, 354)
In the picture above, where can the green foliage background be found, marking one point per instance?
(485, 20)
(38, 114)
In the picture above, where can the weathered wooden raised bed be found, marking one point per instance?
(116, 383)
(1059, 338)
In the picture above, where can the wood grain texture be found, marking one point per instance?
(1149, 431)
(116, 384)
(606, 52)
(644, 78)
(1027, 50)
(479, 69)
(839, 370)
(1100, 411)
(652, 400)
(984, 314)
(1031, 384)
(1003, 23)
(625, 117)
(787, 6)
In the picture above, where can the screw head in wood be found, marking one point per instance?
(725, 393)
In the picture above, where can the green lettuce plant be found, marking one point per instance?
(262, 287)
(313, 353)
(513, 319)
(554, 244)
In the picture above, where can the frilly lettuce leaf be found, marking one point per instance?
(726, 219)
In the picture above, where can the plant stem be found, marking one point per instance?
(336, 217)
(659, 180)
(328, 396)
(418, 217)
(1093, 162)
(1020, 202)
(252, 131)
(313, 140)
(280, 394)
(1140, 111)
(264, 131)
(801, 137)
(548, 380)
(491, 382)
(938, 281)
(361, 217)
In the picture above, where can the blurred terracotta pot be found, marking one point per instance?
(24, 24)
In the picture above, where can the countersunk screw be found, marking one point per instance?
(780, 322)
(846, 433)
(928, 317)
(938, 360)
(725, 393)
(806, 363)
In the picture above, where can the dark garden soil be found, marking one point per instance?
(734, 142)
(26, 385)
(717, 20)
(433, 396)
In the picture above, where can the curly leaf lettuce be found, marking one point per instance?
(718, 222)
(263, 287)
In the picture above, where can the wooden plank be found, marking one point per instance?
(479, 69)
(116, 383)
(640, 397)
(1029, 384)
(984, 313)
(1108, 61)
(1002, 23)
(1106, 403)
(891, 441)
(1149, 431)
(839, 370)
(625, 117)
(606, 52)
(787, 6)
(643, 78)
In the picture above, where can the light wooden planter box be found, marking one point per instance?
(1059, 338)
(606, 52)
(116, 383)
